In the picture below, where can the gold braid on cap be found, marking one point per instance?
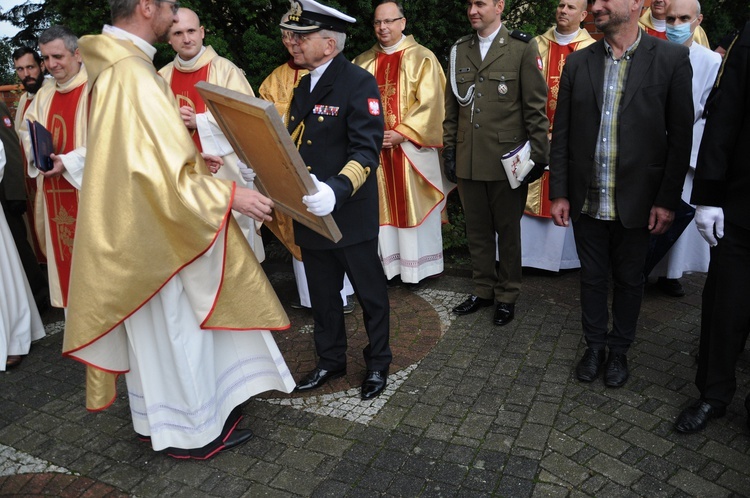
(356, 174)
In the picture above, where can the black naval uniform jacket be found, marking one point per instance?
(343, 121)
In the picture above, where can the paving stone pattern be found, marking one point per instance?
(472, 410)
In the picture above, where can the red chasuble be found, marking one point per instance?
(658, 34)
(394, 162)
(554, 64)
(61, 196)
(183, 87)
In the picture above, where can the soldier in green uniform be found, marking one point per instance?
(494, 102)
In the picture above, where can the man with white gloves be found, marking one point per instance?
(720, 189)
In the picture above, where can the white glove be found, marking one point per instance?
(247, 172)
(710, 223)
(323, 202)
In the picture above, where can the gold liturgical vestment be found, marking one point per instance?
(412, 86)
(147, 211)
(553, 60)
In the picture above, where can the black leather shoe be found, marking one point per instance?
(317, 378)
(504, 313)
(590, 365)
(374, 383)
(472, 304)
(670, 286)
(238, 437)
(695, 418)
(616, 371)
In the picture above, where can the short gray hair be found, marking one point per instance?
(338, 37)
(70, 40)
(121, 9)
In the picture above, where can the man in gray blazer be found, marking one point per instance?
(620, 152)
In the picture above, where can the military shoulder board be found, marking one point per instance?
(520, 35)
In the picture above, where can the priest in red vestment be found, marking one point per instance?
(543, 245)
(410, 182)
(194, 63)
(62, 108)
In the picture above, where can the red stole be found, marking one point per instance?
(394, 162)
(659, 34)
(30, 200)
(61, 196)
(183, 87)
(555, 62)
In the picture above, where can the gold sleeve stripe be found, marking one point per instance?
(356, 174)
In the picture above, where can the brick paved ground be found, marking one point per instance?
(473, 410)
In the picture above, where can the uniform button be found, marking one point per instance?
(481, 79)
(477, 110)
(462, 79)
(309, 142)
(479, 94)
(476, 125)
(291, 118)
(320, 119)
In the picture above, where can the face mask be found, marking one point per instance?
(679, 33)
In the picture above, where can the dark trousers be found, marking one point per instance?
(494, 208)
(601, 245)
(325, 270)
(34, 273)
(725, 316)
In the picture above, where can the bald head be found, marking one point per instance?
(681, 12)
(569, 15)
(186, 35)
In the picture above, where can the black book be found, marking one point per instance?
(41, 143)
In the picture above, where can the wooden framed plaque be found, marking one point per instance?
(260, 139)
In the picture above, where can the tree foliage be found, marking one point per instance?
(246, 31)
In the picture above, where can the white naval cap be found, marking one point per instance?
(307, 16)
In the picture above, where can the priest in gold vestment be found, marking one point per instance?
(62, 108)
(544, 245)
(193, 63)
(164, 287)
(410, 181)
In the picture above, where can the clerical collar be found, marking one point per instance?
(484, 43)
(394, 48)
(190, 63)
(565, 39)
(660, 25)
(316, 73)
(139, 42)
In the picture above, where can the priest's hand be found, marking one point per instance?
(560, 211)
(213, 162)
(710, 223)
(392, 139)
(252, 203)
(322, 202)
(659, 220)
(57, 167)
(187, 114)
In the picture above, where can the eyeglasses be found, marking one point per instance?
(175, 6)
(387, 22)
(300, 38)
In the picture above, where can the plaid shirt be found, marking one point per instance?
(600, 199)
